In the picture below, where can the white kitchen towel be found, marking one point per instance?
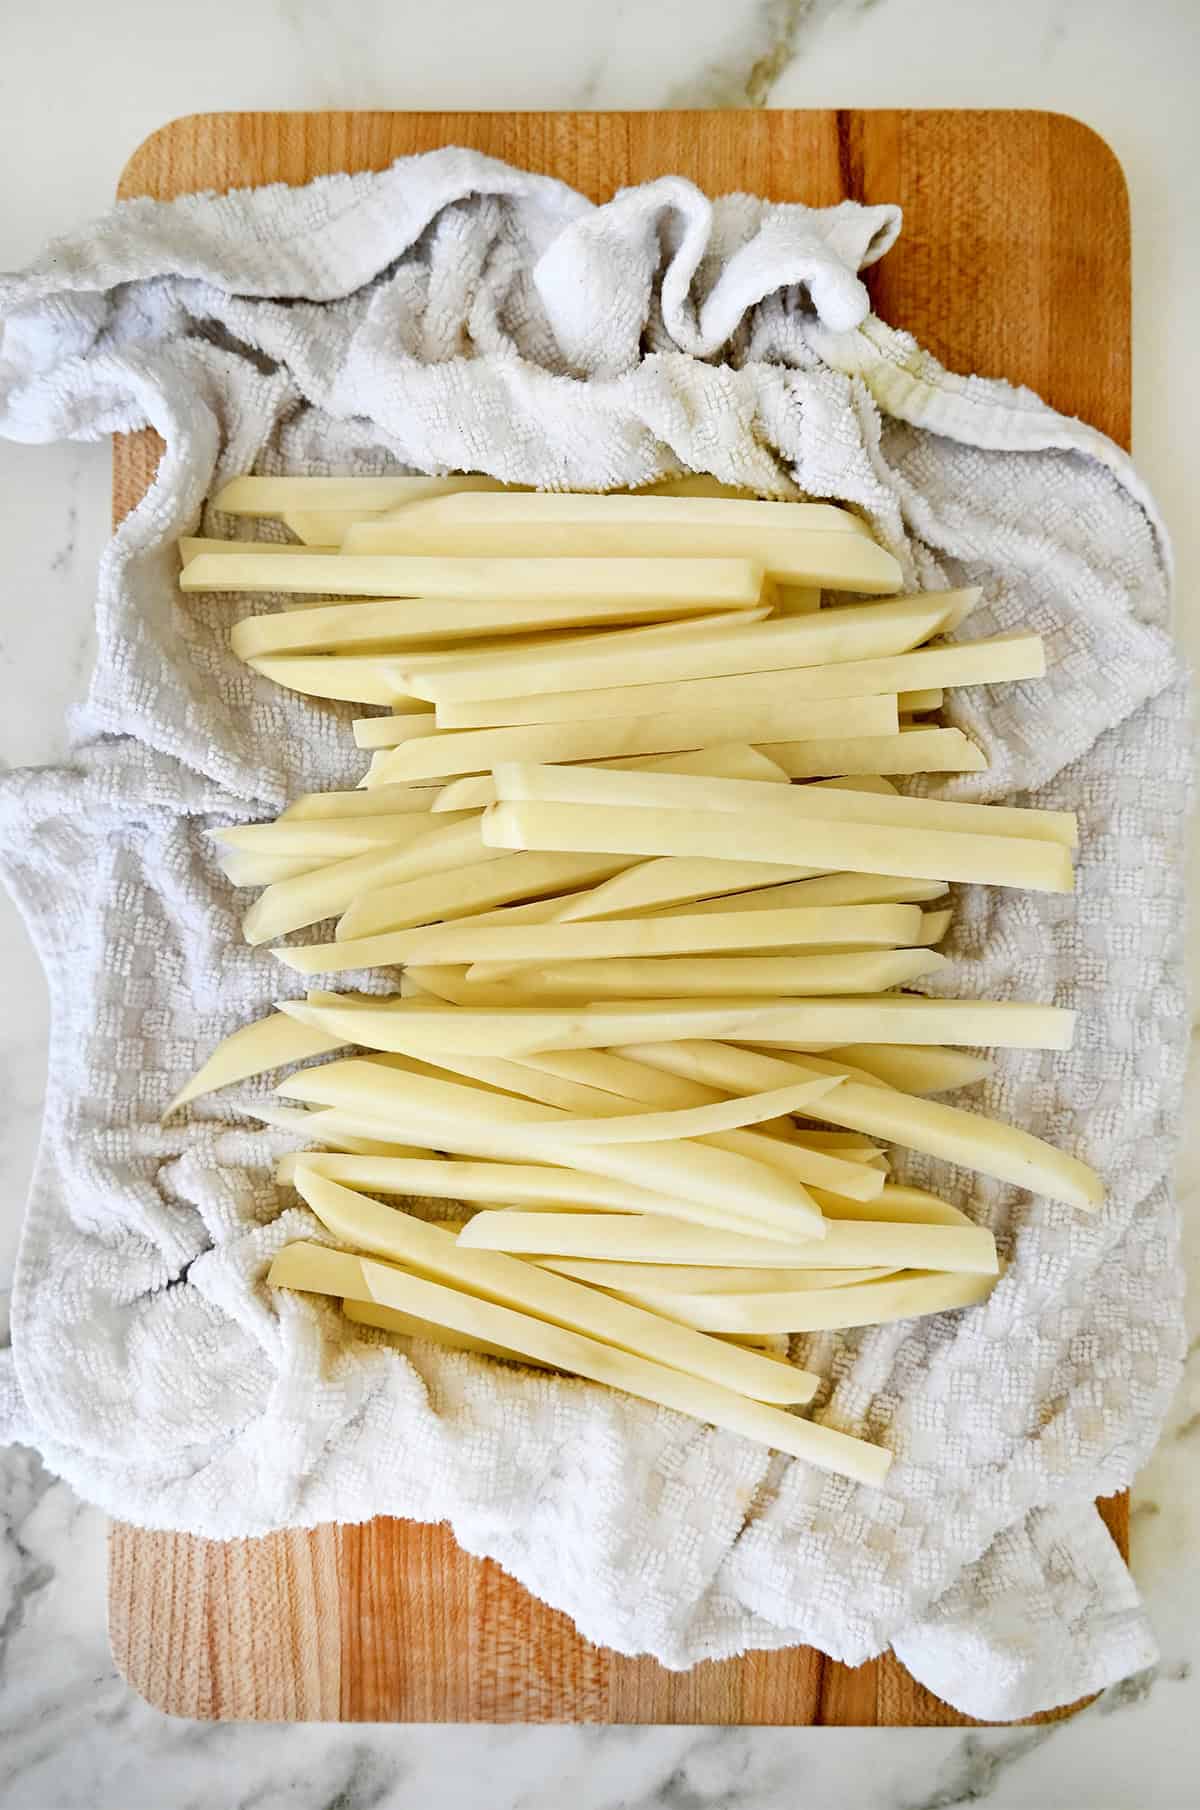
(454, 314)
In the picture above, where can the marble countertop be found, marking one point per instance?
(71, 110)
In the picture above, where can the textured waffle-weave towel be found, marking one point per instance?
(455, 314)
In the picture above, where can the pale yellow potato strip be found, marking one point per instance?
(830, 890)
(709, 1402)
(409, 1326)
(294, 904)
(521, 1184)
(431, 898)
(817, 927)
(384, 1232)
(372, 732)
(521, 781)
(1004, 1152)
(344, 678)
(245, 869)
(512, 1127)
(965, 663)
(733, 760)
(725, 583)
(694, 1279)
(934, 925)
(655, 885)
(857, 632)
(191, 546)
(923, 751)
(628, 513)
(334, 838)
(726, 977)
(917, 1070)
(660, 732)
(872, 1303)
(266, 1044)
(693, 1122)
(927, 697)
(514, 1031)
(913, 1206)
(321, 528)
(763, 835)
(352, 496)
(382, 802)
(847, 1244)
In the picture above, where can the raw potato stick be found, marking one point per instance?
(913, 1206)
(334, 838)
(731, 976)
(352, 496)
(965, 663)
(383, 801)
(454, 895)
(712, 583)
(527, 781)
(263, 870)
(856, 632)
(716, 1179)
(871, 1303)
(410, 622)
(372, 732)
(540, 517)
(399, 1237)
(666, 732)
(733, 760)
(819, 1445)
(832, 890)
(515, 1031)
(1004, 1152)
(915, 1070)
(645, 886)
(191, 546)
(344, 678)
(922, 751)
(321, 529)
(848, 1244)
(763, 836)
(266, 1044)
(294, 904)
(694, 1279)
(934, 925)
(523, 1184)
(390, 1319)
(929, 697)
(850, 927)
(693, 1122)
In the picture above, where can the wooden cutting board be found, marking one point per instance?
(1014, 262)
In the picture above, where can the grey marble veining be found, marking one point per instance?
(72, 1734)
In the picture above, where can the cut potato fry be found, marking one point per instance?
(523, 1184)
(266, 1044)
(912, 1206)
(321, 529)
(710, 1402)
(353, 496)
(764, 835)
(854, 633)
(383, 801)
(343, 678)
(872, 1303)
(263, 870)
(511, 1127)
(916, 703)
(730, 976)
(645, 886)
(934, 925)
(370, 1226)
(916, 1070)
(694, 1279)
(411, 622)
(922, 751)
(847, 1244)
(476, 751)
(712, 583)
(409, 1326)
(817, 927)
(969, 1139)
(433, 897)
(693, 1122)
(733, 760)
(410, 1024)
(191, 546)
(336, 838)
(530, 781)
(974, 662)
(372, 732)
(294, 904)
(829, 890)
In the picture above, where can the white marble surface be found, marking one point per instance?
(71, 109)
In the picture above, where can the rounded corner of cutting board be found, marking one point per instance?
(1032, 281)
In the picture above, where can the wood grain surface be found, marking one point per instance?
(1014, 262)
